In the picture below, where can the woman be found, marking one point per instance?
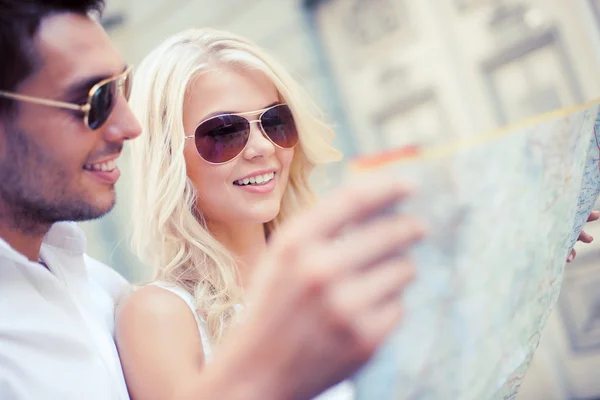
(229, 142)
(228, 145)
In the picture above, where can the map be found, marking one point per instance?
(504, 210)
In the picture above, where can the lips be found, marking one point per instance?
(106, 171)
(257, 179)
(105, 166)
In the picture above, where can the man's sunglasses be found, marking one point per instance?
(222, 138)
(101, 100)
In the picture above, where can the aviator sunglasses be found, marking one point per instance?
(100, 103)
(222, 138)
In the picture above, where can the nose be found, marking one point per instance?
(258, 145)
(122, 125)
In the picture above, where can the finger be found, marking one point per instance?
(351, 205)
(376, 241)
(374, 287)
(585, 237)
(571, 256)
(377, 324)
(594, 215)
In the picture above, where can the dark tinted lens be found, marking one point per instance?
(222, 138)
(102, 104)
(278, 124)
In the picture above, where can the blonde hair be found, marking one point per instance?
(169, 233)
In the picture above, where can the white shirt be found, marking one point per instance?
(342, 391)
(57, 325)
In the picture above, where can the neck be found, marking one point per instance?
(21, 233)
(246, 242)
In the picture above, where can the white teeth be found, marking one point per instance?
(258, 179)
(105, 166)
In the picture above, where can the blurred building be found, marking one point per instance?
(404, 72)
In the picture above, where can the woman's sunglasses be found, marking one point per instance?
(101, 100)
(222, 138)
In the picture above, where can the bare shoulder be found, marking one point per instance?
(158, 340)
(154, 305)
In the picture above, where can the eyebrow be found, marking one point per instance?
(217, 113)
(84, 85)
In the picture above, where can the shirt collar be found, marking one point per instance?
(66, 236)
(62, 235)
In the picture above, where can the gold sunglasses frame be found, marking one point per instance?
(260, 113)
(85, 108)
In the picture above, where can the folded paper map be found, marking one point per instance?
(504, 210)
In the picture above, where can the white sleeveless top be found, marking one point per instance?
(342, 391)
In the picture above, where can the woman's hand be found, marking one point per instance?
(583, 236)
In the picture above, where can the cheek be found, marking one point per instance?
(64, 155)
(61, 136)
(209, 180)
(197, 172)
(285, 157)
(52, 122)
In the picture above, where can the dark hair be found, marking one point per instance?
(19, 22)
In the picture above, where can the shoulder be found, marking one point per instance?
(154, 300)
(153, 306)
(158, 341)
(107, 278)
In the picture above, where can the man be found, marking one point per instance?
(64, 121)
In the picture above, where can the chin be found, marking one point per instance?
(267, 218)
(105, 209)
(265, 215)
(101, 205)
(77, 209)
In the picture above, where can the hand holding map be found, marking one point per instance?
(504, 212)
